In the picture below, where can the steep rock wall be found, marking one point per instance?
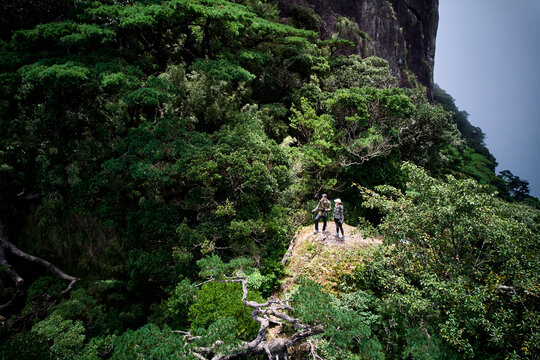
(401, 31)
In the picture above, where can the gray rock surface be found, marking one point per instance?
(401, 31)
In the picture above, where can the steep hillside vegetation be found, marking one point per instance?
(438, 285)
(157, 158)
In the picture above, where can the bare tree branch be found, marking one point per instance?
(366, 152)
(313, 353)
(275, 349)
(5, 245)
(515, 290)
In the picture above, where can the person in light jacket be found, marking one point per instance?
(338, 218)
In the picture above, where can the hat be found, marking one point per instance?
(324, 195)
(338, 200)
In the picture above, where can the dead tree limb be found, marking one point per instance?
(6, 246)
(264, 314)
(288, 254)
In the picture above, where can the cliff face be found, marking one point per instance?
(401, 31)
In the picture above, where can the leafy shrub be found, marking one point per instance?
(217, 300)
(85, 308)
(348, 333)
(66, 337)
(178, 304)
(461, 268)
(148, 341)
(150, 270)
(42, 285)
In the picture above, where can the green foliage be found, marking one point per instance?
(371, 119)
(223, 70)
(150, 270)
(304, 17)
(270, 278)
(216, 311)
(65, 336)
(317, 132)
(518, 189)
(357, 125)
(101, 347)
(354, 71)
(456, 250)
(224, 300)
(348, 29)
(473, 160)
(457, 218)
(155, 92)
(44, 285)
(78, 328)
(166, 133)
(473, 135)
(331, 46)
(148, 341)
(178, 304)
(85, 308)
(26, 346)
(347, 335)
(464, 162)
(426, 140)
(65, 75)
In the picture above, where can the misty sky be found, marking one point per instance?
(488, 59)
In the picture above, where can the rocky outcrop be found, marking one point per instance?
(401, 31)
(322, 257)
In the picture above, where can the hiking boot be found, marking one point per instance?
(337, 235)
(343, 238)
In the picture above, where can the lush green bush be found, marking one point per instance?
(148, 341)
(461, 267)
(224, 300)
(347, 332)
(66, 337)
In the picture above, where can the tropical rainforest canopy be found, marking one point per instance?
(157, 157)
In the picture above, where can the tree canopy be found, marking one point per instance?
(157, 158)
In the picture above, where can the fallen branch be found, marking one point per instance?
(274, 349)
(312, 351)
(7, 246)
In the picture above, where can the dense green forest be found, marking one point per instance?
(160, 156)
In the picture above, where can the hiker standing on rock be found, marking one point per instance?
(324, 206)
(338, 218)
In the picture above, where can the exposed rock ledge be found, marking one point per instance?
(324, 258)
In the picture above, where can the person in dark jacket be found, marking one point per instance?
(323, 207)
(338, 218)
